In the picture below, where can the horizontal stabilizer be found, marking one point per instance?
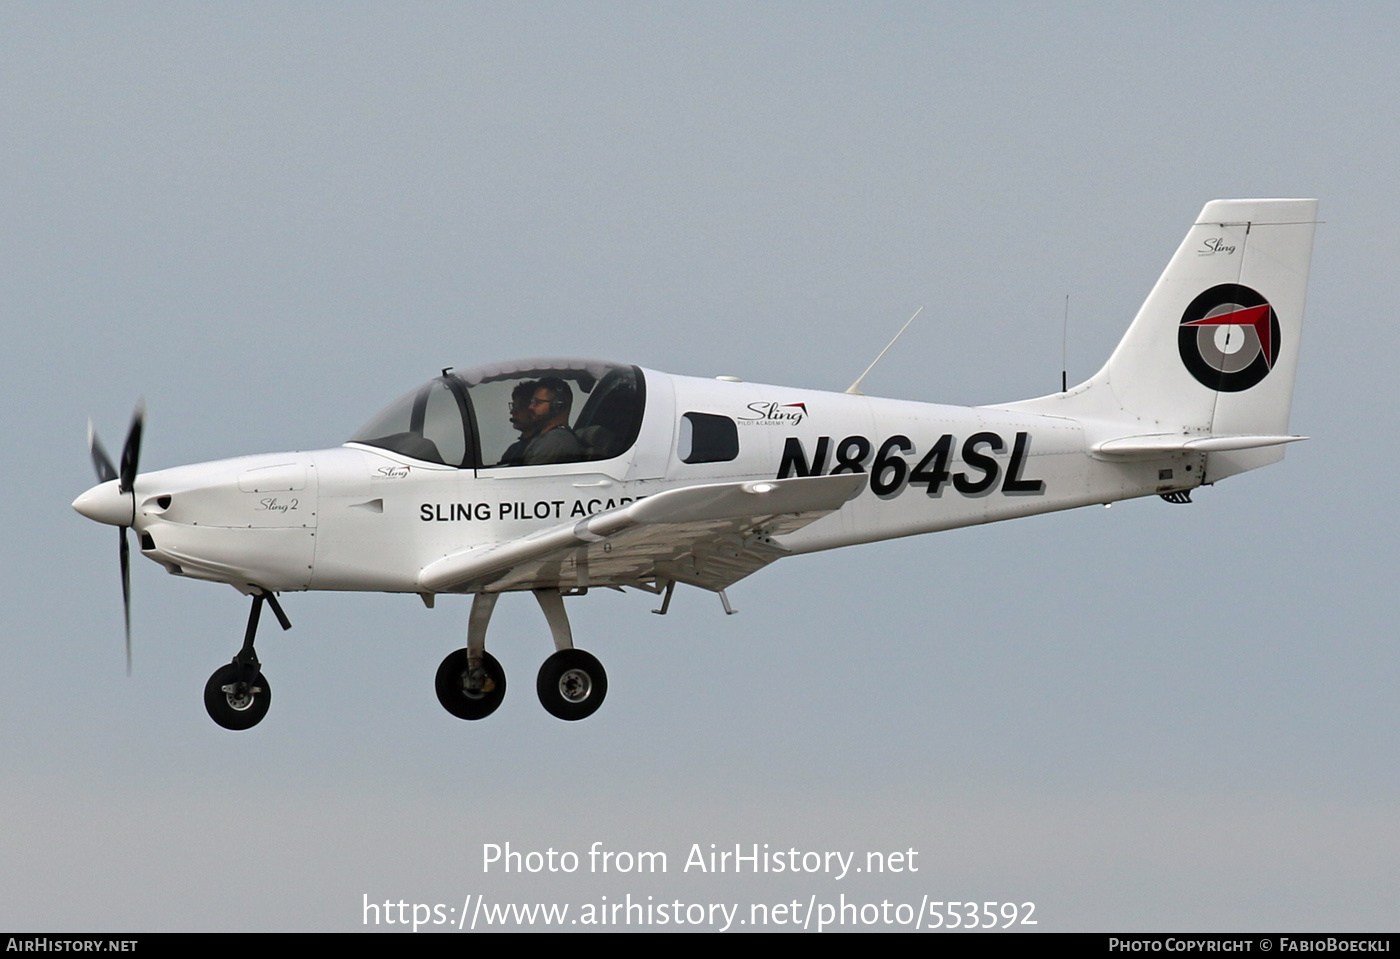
(672, 524)
(1153, 444)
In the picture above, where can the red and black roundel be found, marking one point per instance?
(1229, 338)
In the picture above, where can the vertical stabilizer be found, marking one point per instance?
(1214, 350)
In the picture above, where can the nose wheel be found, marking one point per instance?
(237, 697)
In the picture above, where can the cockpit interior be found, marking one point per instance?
(518, 413)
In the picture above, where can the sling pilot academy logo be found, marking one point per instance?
(1229, 338)
(774, 414)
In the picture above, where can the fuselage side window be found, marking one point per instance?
(707, 438)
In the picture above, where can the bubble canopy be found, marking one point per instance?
(519, 413)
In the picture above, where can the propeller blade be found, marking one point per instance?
(126, 482)
(131, 452)
(125, 551)
(100, 460)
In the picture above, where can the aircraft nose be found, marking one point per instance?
(105, 504)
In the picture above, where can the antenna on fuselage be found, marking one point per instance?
(854, 388)
(1064, 350)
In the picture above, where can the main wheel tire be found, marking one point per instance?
(452, 692)
(572, 684)
(241, 707)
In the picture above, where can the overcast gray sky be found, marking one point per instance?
(271, 219)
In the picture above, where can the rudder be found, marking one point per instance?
(1180, 364)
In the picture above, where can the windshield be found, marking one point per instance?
(426, 424)
(522, 413)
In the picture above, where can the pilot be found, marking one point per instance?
(543, 422)
(520, 420)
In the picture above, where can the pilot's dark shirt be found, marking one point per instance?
(515, 453)
(559, 445)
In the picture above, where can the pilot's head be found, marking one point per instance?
(520, 397)
(552, 401)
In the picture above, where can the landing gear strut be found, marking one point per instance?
(237, 695)
(571, 684)
(471, 683)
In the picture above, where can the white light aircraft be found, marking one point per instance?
(558, 476)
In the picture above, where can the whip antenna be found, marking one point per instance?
(1064, 350)
(854, 388)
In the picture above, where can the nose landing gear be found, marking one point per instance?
(237, 696)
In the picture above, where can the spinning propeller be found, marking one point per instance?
(119, 510)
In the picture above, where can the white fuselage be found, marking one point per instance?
(362, 518)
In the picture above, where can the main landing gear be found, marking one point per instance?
(237, 695)
(571, 683)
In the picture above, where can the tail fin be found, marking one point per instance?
(1213, 352)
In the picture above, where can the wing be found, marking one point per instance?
(709, 536)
